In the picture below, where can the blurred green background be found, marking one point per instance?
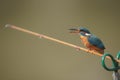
(26, 57)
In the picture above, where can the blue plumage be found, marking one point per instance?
(95, 41)
(89, 40)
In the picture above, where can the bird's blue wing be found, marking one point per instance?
(95, 41)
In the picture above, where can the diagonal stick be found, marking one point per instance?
(53, 39)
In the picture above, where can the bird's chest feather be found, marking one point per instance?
(85, 41)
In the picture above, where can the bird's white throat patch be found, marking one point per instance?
(87, 34)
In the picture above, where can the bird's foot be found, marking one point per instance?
(90, 51)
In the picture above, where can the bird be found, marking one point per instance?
(89, 40)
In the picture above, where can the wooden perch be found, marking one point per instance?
(53, 39)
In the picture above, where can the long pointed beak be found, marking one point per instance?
(73, 30)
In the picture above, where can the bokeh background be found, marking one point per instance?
(26, 57)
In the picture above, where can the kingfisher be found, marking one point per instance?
(89, 40)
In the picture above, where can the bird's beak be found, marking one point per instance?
(73, 30)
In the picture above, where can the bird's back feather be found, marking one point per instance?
(95, 41)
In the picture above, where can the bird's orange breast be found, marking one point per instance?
(85, 41)
(89, 46)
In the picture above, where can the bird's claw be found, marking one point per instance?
(90, 51)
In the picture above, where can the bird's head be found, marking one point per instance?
(82, 31)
